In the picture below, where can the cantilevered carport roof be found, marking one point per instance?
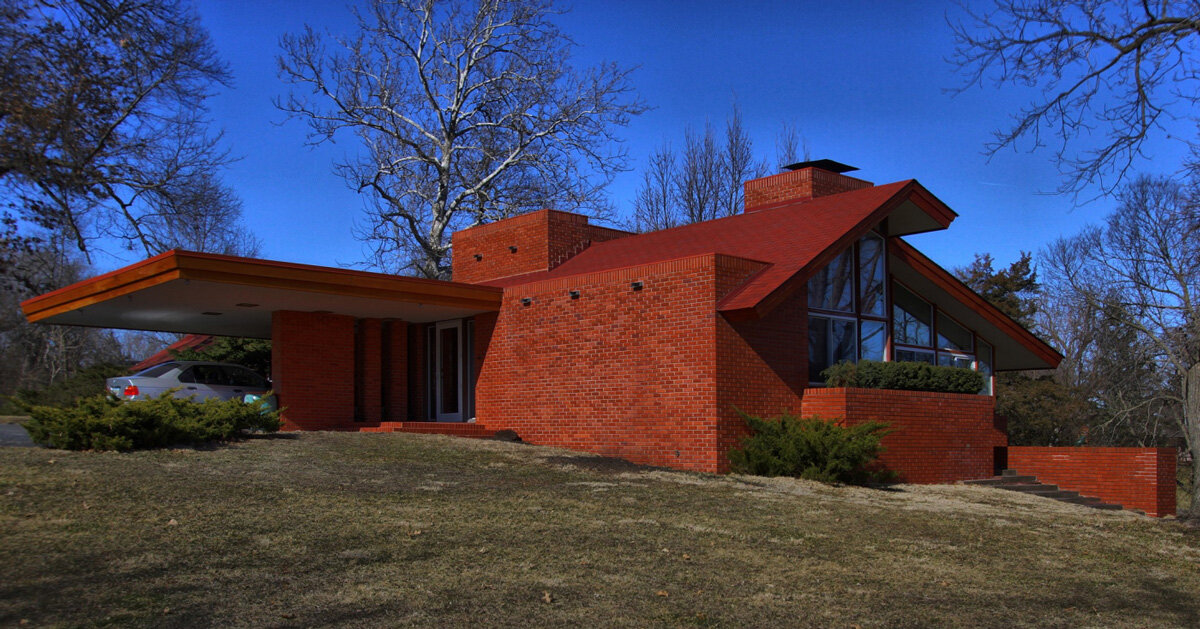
(184, 291)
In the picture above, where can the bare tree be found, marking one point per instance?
(102, 114)
(467, 112)
(790, 146)
(701, 179)
(654, 205)
(32, 356)
(703, 182)
(739, 164)
(1140, 272)
(1112, 74)
(197, 212)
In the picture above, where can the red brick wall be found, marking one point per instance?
(795, 185)
(762, 363)
(543, 240)
(618, 372)
(936, 437)
(1136, 478)
(312, 369)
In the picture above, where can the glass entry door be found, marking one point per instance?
(448, 372)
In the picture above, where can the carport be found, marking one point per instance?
(348, 347)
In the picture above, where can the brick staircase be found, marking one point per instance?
(457, 429)
(1013, 481)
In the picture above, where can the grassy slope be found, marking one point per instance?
(394, 529)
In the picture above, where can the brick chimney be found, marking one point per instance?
(537, 241)
(802, 181)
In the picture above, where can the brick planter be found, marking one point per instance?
(936, 437)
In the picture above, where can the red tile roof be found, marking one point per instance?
(791, 238)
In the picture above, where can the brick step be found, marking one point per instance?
(1001, 480)
(1049, 491)
(433, 428)
(1107, 506)
(1029, 488)
(1011, 480)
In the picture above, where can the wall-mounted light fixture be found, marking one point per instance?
(246, 305)
(525, 301)
(574, 294)
(636, 285)
(512, 249)
(478, 257)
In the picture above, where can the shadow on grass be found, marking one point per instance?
(602, 464)
(271, 436)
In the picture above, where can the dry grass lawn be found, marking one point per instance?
(326, 529)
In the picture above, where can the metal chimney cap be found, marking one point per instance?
(823, 164)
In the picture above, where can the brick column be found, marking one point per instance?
(312, 366)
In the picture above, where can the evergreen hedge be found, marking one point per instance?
(904, 376)
(105, 422)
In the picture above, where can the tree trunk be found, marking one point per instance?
(1191, 420)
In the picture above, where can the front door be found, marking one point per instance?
(448, 372)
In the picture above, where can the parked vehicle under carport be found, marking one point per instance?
(203, 380)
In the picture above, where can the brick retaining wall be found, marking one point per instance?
(1135, 478)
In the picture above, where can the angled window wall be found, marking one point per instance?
(851, 304)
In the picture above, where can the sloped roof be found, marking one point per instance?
(792, 238)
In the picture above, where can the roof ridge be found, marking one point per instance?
(792, 204)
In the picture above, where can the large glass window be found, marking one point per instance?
(953, 336)
(831, 340)
(871, 273)
(873, 340)
(961, 361)
(914, 356)
(854, 283)
(985, 366)
(832, 288)
(947, 344)
(912, 318)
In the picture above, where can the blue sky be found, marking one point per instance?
(865, 82)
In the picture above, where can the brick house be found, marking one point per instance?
(632, 345)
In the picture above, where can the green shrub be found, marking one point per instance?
(905, 376)
(104, 422)
(811, 448)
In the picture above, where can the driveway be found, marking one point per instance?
(15, 436)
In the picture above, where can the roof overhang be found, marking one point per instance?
(183, 291)
(1016, 347)
(915, 210)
